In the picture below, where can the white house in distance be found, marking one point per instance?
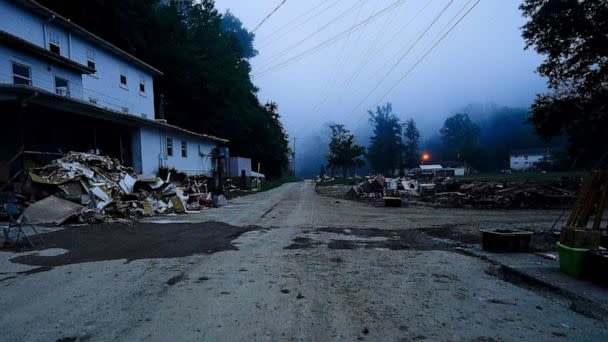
(64, 88)
(527, 159)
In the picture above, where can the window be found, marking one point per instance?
(62, 86)
(123, 80)
(184, 149)
(22, 74)
(169, 146)
(142, 85)
(54, 45)
(91, 59)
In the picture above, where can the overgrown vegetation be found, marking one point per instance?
(204, 55)
(573, 35)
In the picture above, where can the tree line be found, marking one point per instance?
(204, 55)
(572, 115)
(479, 137)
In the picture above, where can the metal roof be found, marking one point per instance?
(47, 13)
(45, 98)
(431, 167)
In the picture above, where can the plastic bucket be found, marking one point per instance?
(571, 260)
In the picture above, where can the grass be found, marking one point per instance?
(266, 185)
(534, 176)
(338, 181)
(275, 183)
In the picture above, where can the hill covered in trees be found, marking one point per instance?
(205, 59)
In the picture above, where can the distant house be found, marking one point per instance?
(63, 88)
(528, 158)
(441, 171)
(430, 168)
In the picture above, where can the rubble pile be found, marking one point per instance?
(454, 193)
(108, 190)
(511, 195)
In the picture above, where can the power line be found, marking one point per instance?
(372, 49)
(428, 52)
(333, 79)
(329, 41)
(389, 42)
(267, 40)
(407, 52)
(286, 50)
(269, 15)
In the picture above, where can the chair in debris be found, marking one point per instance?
(16, 223)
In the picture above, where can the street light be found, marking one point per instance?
(425, 157)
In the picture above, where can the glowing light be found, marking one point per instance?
(426, 156)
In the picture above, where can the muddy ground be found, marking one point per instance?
(317, 268)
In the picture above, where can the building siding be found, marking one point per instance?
(104, 89)
(42, 73)
(104, 86)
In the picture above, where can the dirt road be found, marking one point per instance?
(287, 264)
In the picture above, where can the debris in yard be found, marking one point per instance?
(455, 193)
(549, 256)
(97, 188)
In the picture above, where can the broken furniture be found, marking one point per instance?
(14, 233)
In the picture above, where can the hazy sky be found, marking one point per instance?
(481, 61)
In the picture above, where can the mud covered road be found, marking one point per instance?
(288, 264)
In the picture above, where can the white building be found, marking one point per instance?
(64, 88)
(527, 159)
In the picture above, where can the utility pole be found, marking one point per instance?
(293, 157)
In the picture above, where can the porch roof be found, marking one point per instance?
(41, 97)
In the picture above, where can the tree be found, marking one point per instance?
(343, 152)
(459, 135)
(411, 136)
(573, 35)
(386, 143)
(234, 26)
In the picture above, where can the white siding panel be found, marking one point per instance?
(43, 73)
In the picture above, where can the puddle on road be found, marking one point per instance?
(368, 238)
(141, 241)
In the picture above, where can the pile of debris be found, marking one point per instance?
(454, 193)
(96, 188)
(509, 195)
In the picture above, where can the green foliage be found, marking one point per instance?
(460, 136)
(206, 86)
(386, 143)
(275, 183)
(573, 35)
(343, 152)
(234, 26)
(411, 138)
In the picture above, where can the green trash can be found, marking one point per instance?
(571, 260)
